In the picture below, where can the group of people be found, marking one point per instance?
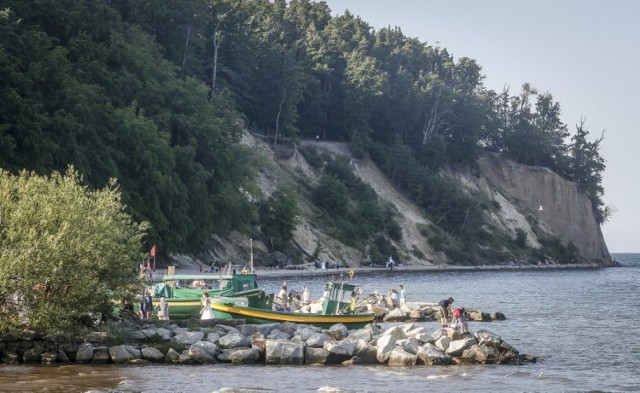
(398, 299)
(457, 315)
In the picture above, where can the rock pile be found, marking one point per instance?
(286, 343)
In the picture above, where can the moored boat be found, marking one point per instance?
(337, 307)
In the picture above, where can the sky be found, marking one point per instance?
(586, 53)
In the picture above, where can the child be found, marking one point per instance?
(459, 321)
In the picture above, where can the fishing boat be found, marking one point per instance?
(183, 292)
(337, 307)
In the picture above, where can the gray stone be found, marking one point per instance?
(234, 340)
(316, 356)
(367, 353)
(289, 327)
(96, 337)
(85, 353)
(337, 331)
(482, 354)
(278, 334)
(361, 334)
(411, 345)
(457, 347)
(339, 351)
(49, 358)
(62, 357)
(172, 356)
(185, 358)
(100, 355)
(152, 354)
(121, 354)
(395, 331)
(33, 355)
(244, 355)
(317, 340)
(283, 352)
(488, 338)
(10, 357)
(443, 343)
(188, 338)
(396, 315)
(251, 329)
(213, 337)
(203, 352)
(386, 344)
(400, 357)
(430, 355)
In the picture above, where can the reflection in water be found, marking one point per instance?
(67, 378)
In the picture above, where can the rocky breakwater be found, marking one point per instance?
(422, 312)
(286, 343)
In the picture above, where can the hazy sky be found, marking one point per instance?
(586, 53)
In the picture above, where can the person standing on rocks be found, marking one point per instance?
(146, 306)
(163, 310)
(445, 310)
(403, 295)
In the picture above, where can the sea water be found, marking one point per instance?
(582, 322)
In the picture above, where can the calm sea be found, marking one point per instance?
(582, 322)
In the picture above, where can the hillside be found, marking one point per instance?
(518, 190)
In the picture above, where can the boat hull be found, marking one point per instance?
(259, 316)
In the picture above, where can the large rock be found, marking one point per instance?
(283, 352)
(152, 354)
(239, 355)
(124, 353)
(400, 357)
(85, 353)
(337, 331)
(303, 333)
(361, 334)
(234, 340)
(386, 344)
(482, 354)
(203, 352)
(33, 355)
(172, 356)
(317, 340)
(316, 356)
(411, 345)
(62, 357)
(278, 334)
(188, 338)
(396, 315)
(49, 357)
(457, 347)
(430, 355)
(443, 343)
(339, 351)
(251, 329)
(367, 353)
(395, 331)
(213, 337)
(101, 355)
(488, 338)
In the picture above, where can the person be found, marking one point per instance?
(283, 296)
(393, 295)
(403, 296)
(459, 321)
(163, 310)
(445, 310)
(305, 295)
(390, 262)
(126, 310)
(207, 312)
(147, 306)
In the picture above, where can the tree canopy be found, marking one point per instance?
(66, 251)
(153, 93)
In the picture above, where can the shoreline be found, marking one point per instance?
(263, 272)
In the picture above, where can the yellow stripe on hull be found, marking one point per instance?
(294, 317)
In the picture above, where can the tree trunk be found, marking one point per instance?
(217, 40)
(284, 96)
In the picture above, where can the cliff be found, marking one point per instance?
(532, 199)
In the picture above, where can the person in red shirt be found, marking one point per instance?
(459, 321)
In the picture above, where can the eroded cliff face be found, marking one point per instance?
(528, 194)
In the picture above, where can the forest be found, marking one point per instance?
(157, 93)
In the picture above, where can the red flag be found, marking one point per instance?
(153, 251)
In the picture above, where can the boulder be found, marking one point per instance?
(33, 355)
(203, 352)
(457, 347)
(453, 334)
(258, 341)
(337, 331)
(482, 354)
(164, 333)
(95, 337)
(361, 334)
(101, 355)
(124, 353)
(373, 328)
(386, 344)
(367, 353)
(188, 338)
(152, 355)
(443, 343)
(289, 327)
(395, 331)
(316, 356)
(430, 355)
(411, 345)
(234, 340)
(172, 356)
(317, 340)
(396, 315)
(251, 329)
(213, 337)
(10, 357)
(399, 357)
(339, 351)
(185, 358)
(303, 333)
(62, 357)
(488, 338)
(283, 352)
(85, 353)
(244, 355)
(278, 334)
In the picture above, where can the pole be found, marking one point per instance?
(251, 254)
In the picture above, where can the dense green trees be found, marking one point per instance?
(65, 251)
(150, 92)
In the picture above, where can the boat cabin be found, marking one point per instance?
(194, 285)
(339, 299)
